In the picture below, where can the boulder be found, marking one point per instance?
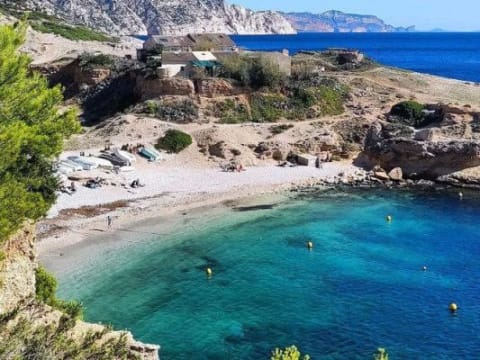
(423, 159)
(381, 175)
(396, 174)
(218, 150)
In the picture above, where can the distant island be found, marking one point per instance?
(337, 21)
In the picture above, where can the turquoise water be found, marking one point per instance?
(360, 288)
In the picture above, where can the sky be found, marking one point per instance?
(454, 15)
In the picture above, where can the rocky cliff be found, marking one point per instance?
(337, 21)
(177, 17)
(32, 330)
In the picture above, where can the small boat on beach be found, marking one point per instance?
(125, 155)
(151, 153)
(83, 161)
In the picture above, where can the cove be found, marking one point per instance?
(361, 287)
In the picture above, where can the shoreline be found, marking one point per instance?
(72, 226)
(87, 218)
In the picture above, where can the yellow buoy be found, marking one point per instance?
(389, 218)
(310, 245)
(453, 307)
(209, 271)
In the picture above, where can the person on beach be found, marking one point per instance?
(109, 221)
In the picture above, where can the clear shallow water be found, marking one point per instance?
(453, 55)
(360, 288)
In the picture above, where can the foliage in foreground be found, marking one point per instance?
(289, 353)
(174, 141)
(45, 290)
(29, 341)
(32, 129)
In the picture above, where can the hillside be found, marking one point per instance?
(127, 17)
(337, 21)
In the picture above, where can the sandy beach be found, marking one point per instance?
(169, 188)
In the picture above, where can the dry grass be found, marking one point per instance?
(92, 211)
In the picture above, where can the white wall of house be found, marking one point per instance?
(172, 70)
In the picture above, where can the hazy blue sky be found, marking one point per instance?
(425, 14)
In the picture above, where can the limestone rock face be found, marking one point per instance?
(179, 17)
(215, 87)
(426, 159)
(151, 88)
(17, 273)
(17, 298)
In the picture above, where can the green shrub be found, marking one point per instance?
(91, 61)
(230, 112)
(72, 308)
(45, 292)
(177, 111)
(410, 112)
(174, 141)
(70, 32)
(45, 286)
(255, 72)
(268, 107)
(330, 100)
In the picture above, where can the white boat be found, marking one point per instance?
(62, 169)
(125, 155)
(70, 164)
(84, 162)
(102, 163)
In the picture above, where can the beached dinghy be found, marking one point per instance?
(147, 154)
(125, 155)
(155, 152)
(71, 164)
(102, 163)
(84, 162)
(151, 154)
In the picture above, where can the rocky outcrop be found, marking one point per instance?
(390, 147)
(177, 17)
(215, 87)
(337, 21)
(17, 271)
(152, 88)
(18, 305)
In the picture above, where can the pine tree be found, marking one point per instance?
(33, 126)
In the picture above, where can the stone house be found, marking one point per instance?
(186, 63)
(158, 44)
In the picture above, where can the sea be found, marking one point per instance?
(451, 55)
(362, 286)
